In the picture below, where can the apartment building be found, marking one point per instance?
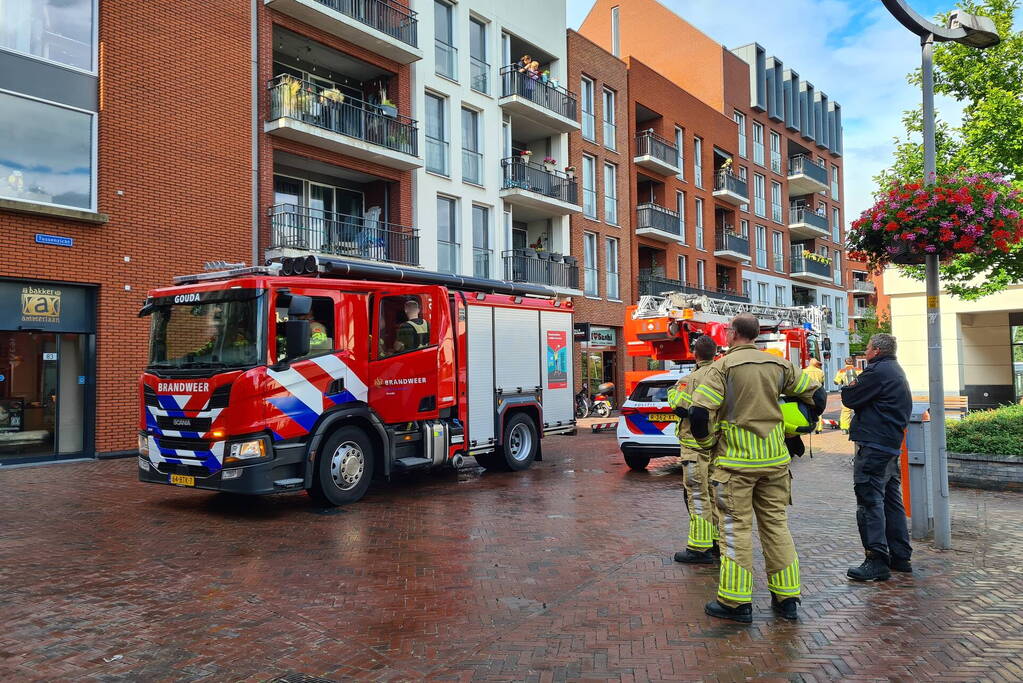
(777, 175)
(493, 195)
(602, 233)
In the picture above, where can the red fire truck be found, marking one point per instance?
(321, 374)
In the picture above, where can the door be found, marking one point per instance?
(321, 216)
(287, 220)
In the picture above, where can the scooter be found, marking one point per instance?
(602, 405)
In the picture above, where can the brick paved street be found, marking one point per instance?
(561, 572)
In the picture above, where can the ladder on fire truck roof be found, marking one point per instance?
(675, 304)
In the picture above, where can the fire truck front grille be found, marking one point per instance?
(197, 471)
(180, 444)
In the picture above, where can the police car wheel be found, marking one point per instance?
(344, 467)
(520, 442)
(636, 462)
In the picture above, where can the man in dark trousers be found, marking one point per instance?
(882, 403)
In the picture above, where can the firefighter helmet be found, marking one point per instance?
(796, 416)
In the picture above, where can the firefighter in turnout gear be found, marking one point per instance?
(414, 333)
(741, 392)
(696, 456)
(817, 375)
(844, 378)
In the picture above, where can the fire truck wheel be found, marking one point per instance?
(636, 462)
(344, 468)
(520, 442)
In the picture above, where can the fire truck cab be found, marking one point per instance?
(320, 375)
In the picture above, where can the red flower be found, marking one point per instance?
(892, 226)
(902, 215)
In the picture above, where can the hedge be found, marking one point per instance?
(993, 432)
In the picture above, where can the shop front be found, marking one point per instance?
(598, 346)
(47, 366)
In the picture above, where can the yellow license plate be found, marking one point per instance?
(663, 417)
(182, 480)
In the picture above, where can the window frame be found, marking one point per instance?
(607, 93)
(378, 325)
(761, 246)
(588, 94)
(759, 200)
(698, 161)
(740, 122)
(611, 244)
(758, 145)
(611, 193)
(590, 238)
(593, 189)
(698, 225)
(94, 38)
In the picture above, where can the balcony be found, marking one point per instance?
(862, 287)
(730, 245)
(381, 26)
(806, 176)
(805, 224)
(857, 312)
(540, 192)
(659, 223)
(731, 188)
(656, 154)
(538, 109)
(296, 230)
(305, 112)
(810, 268)
(542, 268)
(655, 285)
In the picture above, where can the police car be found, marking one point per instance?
(646, 428)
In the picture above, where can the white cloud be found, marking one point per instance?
(854, 51)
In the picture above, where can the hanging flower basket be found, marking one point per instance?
(976, 215)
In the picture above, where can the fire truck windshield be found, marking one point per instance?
(206, 335)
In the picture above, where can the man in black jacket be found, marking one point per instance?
(882, 403)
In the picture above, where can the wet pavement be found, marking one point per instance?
(560, 572)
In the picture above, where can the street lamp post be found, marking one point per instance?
(976, 32)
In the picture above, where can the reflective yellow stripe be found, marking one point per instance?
(803, 383)
(734, 582)
(786, 581)
(701, 533)
(710, 394)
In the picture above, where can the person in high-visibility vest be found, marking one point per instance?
(844, 378)
(817, 375)
(696, 457)
(751, 477)
(414, 333)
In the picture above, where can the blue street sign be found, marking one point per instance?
(3, 377)
(81, 379)
(54, 240)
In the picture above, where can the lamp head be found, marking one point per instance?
(980, 31)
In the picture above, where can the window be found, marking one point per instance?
(611, 263)
(322, 331)
(683, 269)
(761, 247)
(826, 303)
(758, 143)
(615, 33)
(589, 120)
(779, 295)
(680, 144)
(759, 201)
(834, 182)
(680, 209)
(446, 56)
(611, 193)
(778, 244)
(482, 254)
(698, 161)
(56, 30)
(698, 223)
(447, 235)
(436, 135)
(745, 178)
(747, 287)
(740, 121)
(403, 324)
(592, 288)
(479, 69)
(776, 201)
(48, 154)
(744, 228)
(775, 152)
(472, 159)
(610, 129)
(701, 274)
(589, 186)
(836, 226)
(839, 313)
(762, 294)
(836, 263)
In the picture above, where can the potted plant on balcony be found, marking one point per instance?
(550, 164)
(971, 221)
(388, 108)
(556, 257)
(570, 172)
(525, 155)
(331, 95)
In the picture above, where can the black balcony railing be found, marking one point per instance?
(651, 284)
(659, 218)
(803, 214)
(541, 268)
(385, 16)
(649, 143)
(726, 240)
(331, 110)
(299, 227)
(525, 175)
(804, 165)
(555, 98)
(801, 264)
(728, 181)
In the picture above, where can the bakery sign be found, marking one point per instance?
(40, 304)
(602, 336)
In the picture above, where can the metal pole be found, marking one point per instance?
(942, 519)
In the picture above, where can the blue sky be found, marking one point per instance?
(851, 49)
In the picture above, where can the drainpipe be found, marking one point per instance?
(254, 29)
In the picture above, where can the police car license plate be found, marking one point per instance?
(182, 480)
(663, 417)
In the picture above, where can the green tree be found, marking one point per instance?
(990, 140)
(866, 328)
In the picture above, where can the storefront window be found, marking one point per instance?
(1016, 333)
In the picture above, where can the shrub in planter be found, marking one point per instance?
(992, 432)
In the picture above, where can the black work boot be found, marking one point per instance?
(787, 608)
(715, 550)
(690, 556)
(901, 565)
(874, 568)
(742, 613)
